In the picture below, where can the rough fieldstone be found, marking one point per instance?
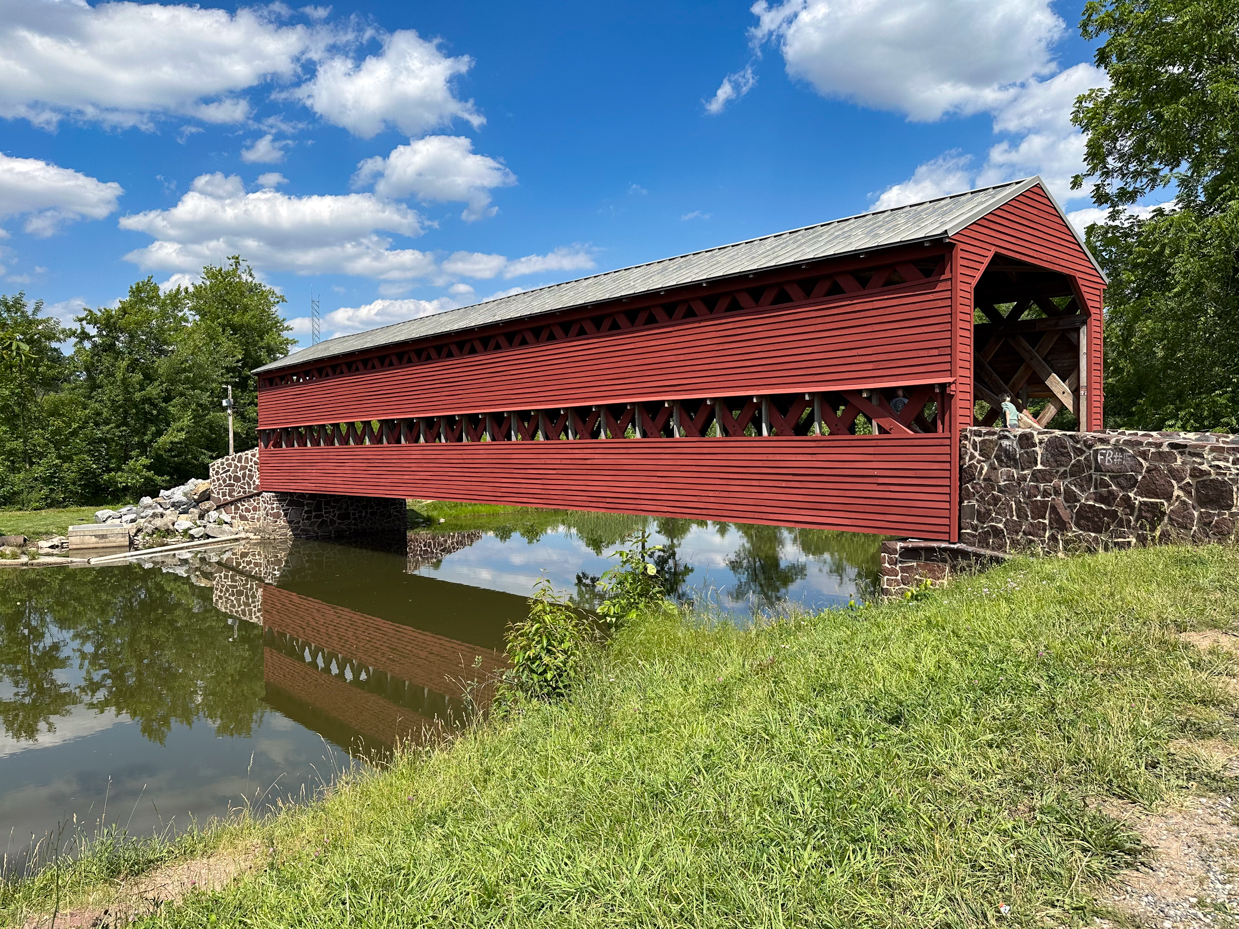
(129, 519)
(1157, 485)
(206, 506)
(102, 516)
(1182, 516)
(13, 541)
(197, 532)
(1094, 518)
(202, 491)
(1215, 493)
(182, 525)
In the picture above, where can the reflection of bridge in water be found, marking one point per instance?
(359, 648)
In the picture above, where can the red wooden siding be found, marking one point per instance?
(421, 658)
(1031, 229)
(883, 484)
(897, 336)
(363, 712)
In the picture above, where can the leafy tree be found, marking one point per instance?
(1171, 110)
(1168, 119)
(239, 314)
(122, 353)
(32, 367)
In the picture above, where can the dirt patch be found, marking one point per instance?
(144, 894)
(1208, 638)
(1191, 879)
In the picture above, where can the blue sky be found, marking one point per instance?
(397, 159)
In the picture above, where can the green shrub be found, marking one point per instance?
(546, 650)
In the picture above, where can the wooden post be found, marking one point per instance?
(1082, 390)
(231, 448)
(817, 414)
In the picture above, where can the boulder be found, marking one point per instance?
(102, 516)
(213, 517)
(127, 510)
(220, 532)
(225, 519)
(13, 541)
(197, 532)
(145, 501)
(129, 519)
(202, 491)
(182, 525)
(206, 506)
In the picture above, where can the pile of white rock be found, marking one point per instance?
(185, 511)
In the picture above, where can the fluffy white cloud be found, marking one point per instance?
(383, 313)
(924, 58)
(265, 150)
(734, 87)
(408, 85)
(313, 235)
(474, 264)
(306, 235)
(485, 267)
(564, 258)
(437, 168)
(1038, 114)
(1084, 218)
(946, 174)
(49, 195)
(1049, 145)
(271, 179)
(121, 63)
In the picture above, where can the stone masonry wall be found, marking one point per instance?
(234, 490)
(1050, 491)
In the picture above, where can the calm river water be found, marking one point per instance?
(147, 695)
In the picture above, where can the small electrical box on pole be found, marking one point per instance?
(228, 407)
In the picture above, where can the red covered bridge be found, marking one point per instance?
(726, 384)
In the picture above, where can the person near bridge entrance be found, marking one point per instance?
(899, 402)
(1010, 415)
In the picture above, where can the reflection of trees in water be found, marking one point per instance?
(761, 573)
(147, 644)
(31, 653)
(845, 554)
(762, 577)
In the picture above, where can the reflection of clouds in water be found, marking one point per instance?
(514, 565)
(81, 722)
(146, 785)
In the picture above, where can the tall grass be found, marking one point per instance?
(915, 764)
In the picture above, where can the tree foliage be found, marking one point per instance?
(130, 399)
(1167, 120)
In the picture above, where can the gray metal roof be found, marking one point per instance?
(916, 222)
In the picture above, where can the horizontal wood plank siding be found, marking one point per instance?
(887, 337)
(412, 655)
(883, 484)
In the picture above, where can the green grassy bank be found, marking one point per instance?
(43, 524)
(915, 764)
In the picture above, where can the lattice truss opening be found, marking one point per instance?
(809, 414)
(1030, 342)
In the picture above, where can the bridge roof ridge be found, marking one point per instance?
(914, 222)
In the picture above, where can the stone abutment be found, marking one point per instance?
(235, 490)
(1038, 491)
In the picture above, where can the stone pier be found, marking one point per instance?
(235, 491)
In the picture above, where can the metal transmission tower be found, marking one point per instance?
(316, 321)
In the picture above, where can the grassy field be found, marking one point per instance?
(914, 764)
(43, 524)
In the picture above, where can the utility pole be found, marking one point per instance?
(316, 320)
(228, 407)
